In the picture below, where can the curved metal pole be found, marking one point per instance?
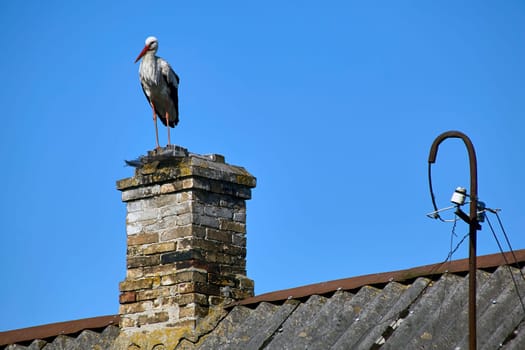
(473, 222)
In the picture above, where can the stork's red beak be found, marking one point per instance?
(144, 50)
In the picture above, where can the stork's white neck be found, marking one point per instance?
(148, 70)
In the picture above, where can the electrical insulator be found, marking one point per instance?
(481, 211)
(459, 195)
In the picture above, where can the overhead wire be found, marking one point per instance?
(507, 262)
(508, 241)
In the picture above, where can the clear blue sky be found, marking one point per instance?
(332, 107)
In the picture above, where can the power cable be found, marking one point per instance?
(507, 263)
(508, 241)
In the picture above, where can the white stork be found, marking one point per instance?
(160, 85)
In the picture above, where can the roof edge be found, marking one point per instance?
(56, 329)
(455, 266)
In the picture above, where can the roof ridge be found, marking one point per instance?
(55, 329)
(454, 266)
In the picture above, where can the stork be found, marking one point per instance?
(160, 85)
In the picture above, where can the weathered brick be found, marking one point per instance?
(205, 220)
(135, 273)
(152, 294)
(245, 282)
(134, 228)
(223, 187)
(184, 276)
(222, 212)
(159, 270)
(176, 232)
(194, 287)
(243, 192)
(157, 317)
(143, 283)
(235, 270)
(160, 248)
(184, 219)
(128, 297)
(172, 257)
(176, 209)
(228, 202)
(218, 235)
(221, 258)
(193, 183)
(138, 261)
(197, 184)
(189, 243)
(240, 294)
(183, 231)
(127, 322)
(239, 216)
(162, 201)
(161, 224)
(234, 250)
(141, 192)
(232, 226)
(192, 310)
(185, 299)
(239, 239)
(183, 324)
(222, 280)
(134, 308)
(143, 238)
(169, 188)
(137, 205)
(186, 196)
(199, 264)
(133, 250)
(215, 300)
(143, 215)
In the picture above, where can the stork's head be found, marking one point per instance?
(151, 46)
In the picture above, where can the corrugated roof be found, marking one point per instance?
(105, 326)
(421, 314)
(420, 308)
(424, 307)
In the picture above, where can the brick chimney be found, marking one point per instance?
(186, 238)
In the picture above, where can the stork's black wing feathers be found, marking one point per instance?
(174, 94)
(172, 82)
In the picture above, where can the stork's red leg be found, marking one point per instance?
(156, 128)
(168, 126)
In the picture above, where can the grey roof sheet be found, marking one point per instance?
(87, 339)
(424, 313)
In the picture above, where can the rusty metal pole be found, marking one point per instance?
(473, 224)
